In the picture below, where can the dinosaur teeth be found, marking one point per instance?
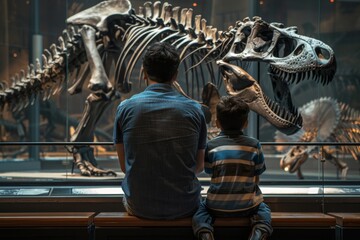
(308, 74)
(276, 108)
(293, 77)
(281, 113)
(317, 75)
(283, 75)
(292, 114)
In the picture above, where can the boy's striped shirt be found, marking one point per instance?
(234, 160)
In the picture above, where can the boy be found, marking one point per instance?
(235, 162)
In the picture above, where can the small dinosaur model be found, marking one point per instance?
(103, 44)
(324, 120)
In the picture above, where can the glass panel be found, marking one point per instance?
(31, 26)
(327, 21)
(26, 27)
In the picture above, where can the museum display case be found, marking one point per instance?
(37, 147)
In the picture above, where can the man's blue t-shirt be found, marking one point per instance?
(161, 131)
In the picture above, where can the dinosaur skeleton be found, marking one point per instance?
(103, 44)
(324, 120)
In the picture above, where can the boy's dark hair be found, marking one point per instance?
(161, 62)
(232, 113)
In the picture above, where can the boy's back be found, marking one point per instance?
(234, 161)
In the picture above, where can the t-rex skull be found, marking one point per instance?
(291, 58)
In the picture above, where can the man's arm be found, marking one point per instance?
(121, 156)
(200, 160)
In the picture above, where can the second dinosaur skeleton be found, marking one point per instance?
(324, 120)
(103, 44)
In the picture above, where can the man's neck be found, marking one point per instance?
(151, 82)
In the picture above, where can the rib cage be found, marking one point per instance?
(174, 25)
(154, 21)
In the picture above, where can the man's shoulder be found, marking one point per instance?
(181, 102)
(188, 103)
(187, 100)
(132, 99)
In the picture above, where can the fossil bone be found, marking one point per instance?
(324, 120)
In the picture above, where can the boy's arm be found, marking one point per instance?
(257, 179)
(260, 166)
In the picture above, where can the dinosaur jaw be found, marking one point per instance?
(322, 75)
(238, 82)
(296, 58)
(293, 159)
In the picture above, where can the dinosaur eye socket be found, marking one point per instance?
(299, 50)
(284, 47)
(322, 53)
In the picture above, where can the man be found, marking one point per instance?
(160, 137)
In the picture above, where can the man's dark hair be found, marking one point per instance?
(161, 62)
(232, 113)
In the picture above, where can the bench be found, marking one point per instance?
(287, 225)
(46, 225)
(120, 225)
(303, 225)
(347, 225)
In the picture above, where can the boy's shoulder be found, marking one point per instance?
(250, 140)
(240, 140)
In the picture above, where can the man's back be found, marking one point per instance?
(162, 132)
